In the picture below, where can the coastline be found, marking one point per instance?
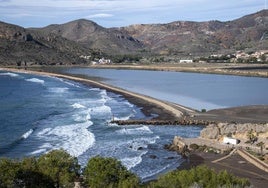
(150, 106)
(162, 109)
(255, 70)
(166, 112)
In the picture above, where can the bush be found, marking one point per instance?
(203, 110)
(108, 172)
(61, 167)
(200, 176)
(194, 146)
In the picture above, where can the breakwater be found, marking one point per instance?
(162, 122)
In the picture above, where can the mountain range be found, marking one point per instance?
(69, 43)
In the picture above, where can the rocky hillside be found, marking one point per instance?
(184, 38)
(19, 45)
(67, 43)
(93, 36)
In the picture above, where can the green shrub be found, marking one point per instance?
(194, 146)
(201, 176)
(108, 172)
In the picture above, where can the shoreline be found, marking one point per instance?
(255, 70)
(165, 110)
(149, 105)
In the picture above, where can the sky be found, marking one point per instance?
(117, 13)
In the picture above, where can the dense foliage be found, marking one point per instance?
(59, 169)
(54, 169)
(108, 172)
(200, 176)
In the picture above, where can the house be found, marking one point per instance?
(228, 140)
(186, 61)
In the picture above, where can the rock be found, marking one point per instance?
(169, 158)
(227, 129)
(140, 148)
(179, 145)
(153, 156)
(210, 132)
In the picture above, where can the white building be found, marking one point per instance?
(228, 140)
(186, 61)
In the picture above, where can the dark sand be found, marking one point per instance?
(235, 165)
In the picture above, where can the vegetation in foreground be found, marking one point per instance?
(59, 169)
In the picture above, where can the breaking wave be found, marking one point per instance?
(35, 80)
(27, 134)
(77, 105)
(58, 89)
(74, 138)
(9, 74)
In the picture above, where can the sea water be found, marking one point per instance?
(39, 114)
(195, 90)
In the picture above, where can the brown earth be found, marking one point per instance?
(234, 164)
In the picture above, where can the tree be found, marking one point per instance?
(251, 136)
(8, 171)
(29, 176)
(200, 176)
(60, 167)
(108, 172)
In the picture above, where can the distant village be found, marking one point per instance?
(238, 57)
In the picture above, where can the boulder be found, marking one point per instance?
(210, 132)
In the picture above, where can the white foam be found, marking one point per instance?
(74, 138)
(123, 118)
(38, 151)
(9, 74)
(27, 134)
(101, 110)
(58, 89)
(129, 104)
(68, 82)
(35, 80)
(138, 130)
(83, 116)
(77, 105)
(131, 162)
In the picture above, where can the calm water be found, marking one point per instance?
(38, 114)
(194, 90)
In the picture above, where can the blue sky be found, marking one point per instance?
(116, 13)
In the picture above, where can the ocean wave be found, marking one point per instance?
(58, 89)
(35, 80)
(124, 118)
(27, 134)
(77, 105)
(143, 142)
(39, 151)
(100, 110)
(131, 162)
(74, 138)
(138, 130)
(11, 74)
(83, 116)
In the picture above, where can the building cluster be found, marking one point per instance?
(96, 61)
(259, 56)
(101, 61)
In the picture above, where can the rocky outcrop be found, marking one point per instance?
(215, 131)
(179, 146)
(210, 132)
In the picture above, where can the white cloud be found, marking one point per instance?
(102, 15)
